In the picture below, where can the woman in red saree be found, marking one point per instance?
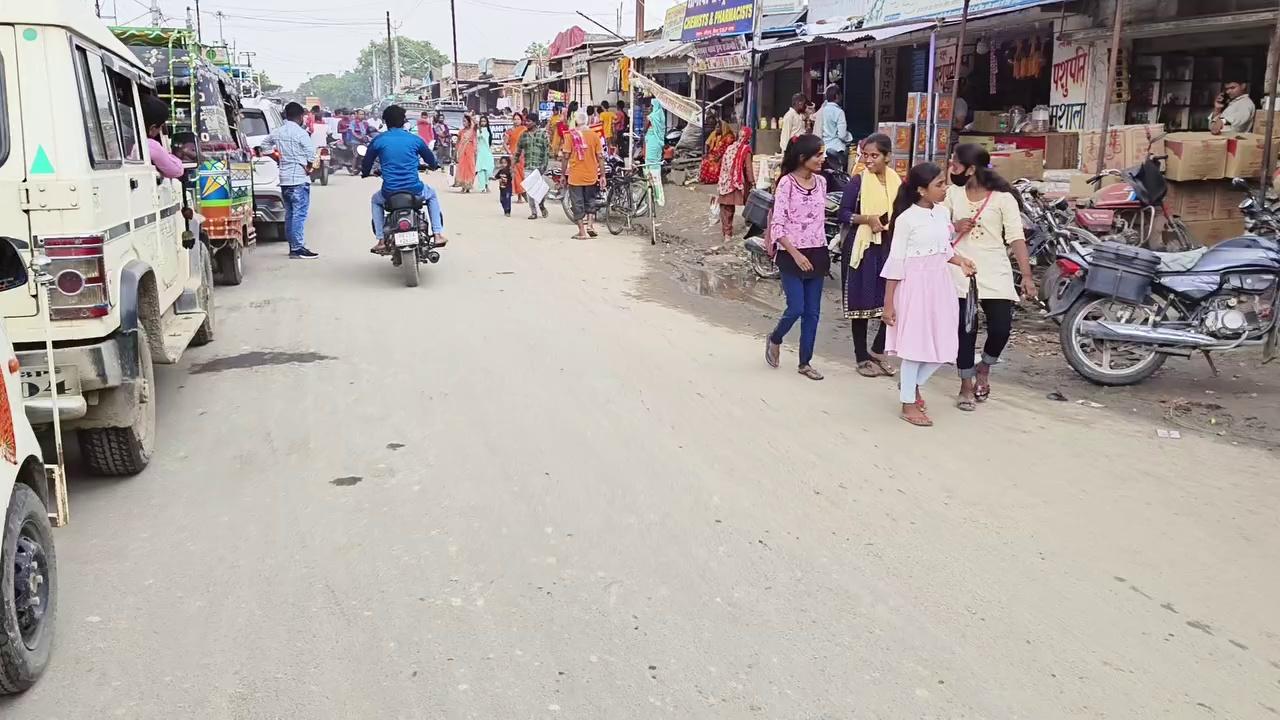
(719, 141)
(513, 144)
(465, 176)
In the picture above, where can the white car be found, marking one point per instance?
(258, 118)
(28, 565)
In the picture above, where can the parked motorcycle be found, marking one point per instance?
(1050, 229)
(1125, 310)
(1132, 212)
(756, 214)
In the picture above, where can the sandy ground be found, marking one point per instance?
(538, 487)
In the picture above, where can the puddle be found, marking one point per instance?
(258, 358)
(729, 283)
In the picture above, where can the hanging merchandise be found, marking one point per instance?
(995, 70)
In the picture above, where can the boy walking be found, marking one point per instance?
(503, 177)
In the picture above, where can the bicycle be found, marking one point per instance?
(629, 195)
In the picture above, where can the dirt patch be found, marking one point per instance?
(695, 271)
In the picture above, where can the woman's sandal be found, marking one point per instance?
(982, 387)
(920, 403)
(882, 363)
(921, 420)
(809, 372)
(772, 353)
(966, 404)
(869, 369)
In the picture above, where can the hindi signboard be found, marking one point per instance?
(705, 19)
(1069, 83)
(673, 25)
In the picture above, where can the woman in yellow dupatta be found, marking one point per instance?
(513, 144)
(866, 214)
(717, 143)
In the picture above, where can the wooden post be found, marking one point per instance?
(955, 70)
(1116, 22)
(1268, 145)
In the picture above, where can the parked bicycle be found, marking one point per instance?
(628, 196)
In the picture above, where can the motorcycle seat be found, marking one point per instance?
(1180, 261)
(403, 201)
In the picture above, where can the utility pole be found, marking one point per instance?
(222, 37)
(395, 64)
(453, 19)
(377, 81)
(639, 20)
(391, 66)
(97, 8)
(199, 27)
(157, 16)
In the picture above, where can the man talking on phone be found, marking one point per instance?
(1233, 110)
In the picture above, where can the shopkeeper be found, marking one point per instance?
(1236, 114)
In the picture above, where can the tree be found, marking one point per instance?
(536, 50)
(345, 90)
(419, 59)
(267, 84)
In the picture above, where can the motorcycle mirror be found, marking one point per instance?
(1240, 183)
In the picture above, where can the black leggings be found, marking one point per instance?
(999, 317)
(860, 326)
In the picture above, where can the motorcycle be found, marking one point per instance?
(323, 167)
(1125, 310)
(407, 237)
(1050, 229)
(1132, 212)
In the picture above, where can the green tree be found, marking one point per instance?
(536, 50)
(267, 84)
(345, 90)
(419, 59)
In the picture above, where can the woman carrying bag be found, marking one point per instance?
(867, 208)
(988, 221)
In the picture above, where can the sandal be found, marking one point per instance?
(966, 404)
(869, 369)
(809, 372)
(982, 386)
(882, 362)
(920, 403)
(593, 233)
(921, 420)
(772, 353)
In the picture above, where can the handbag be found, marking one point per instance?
(971, 306)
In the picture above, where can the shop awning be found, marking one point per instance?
(1182, 26)
(657, 49)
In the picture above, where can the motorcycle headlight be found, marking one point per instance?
(362, 150)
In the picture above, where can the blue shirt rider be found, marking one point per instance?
(397, 151)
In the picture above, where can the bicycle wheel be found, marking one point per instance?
(615, 211)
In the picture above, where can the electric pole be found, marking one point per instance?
(639, 20)
(221, 35)
(395, 63)
(453, 19)
(377, 81)
(97, 8)
(157, 17)
(391, 60)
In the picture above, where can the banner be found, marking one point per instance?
(1069, 83)
(829, 10)
(705, 19)
(882, 12)
(720, 63)
(673, 25)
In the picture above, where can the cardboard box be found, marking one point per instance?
(1126, 146)
(987, 121)
(900, 163)
(918, 107)
(1195, 156)
(920, 143)
(1019, 164)
(1245, 153)
(1194, 200)
(768, 142)
(941, 139)
(1226, 201)
(1212, 232)
(1260, 123)
(1080, 187)
(900, 133)
(945, 110)
(1062, 151)
(986, 142)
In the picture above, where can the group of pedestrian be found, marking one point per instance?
(916, 254)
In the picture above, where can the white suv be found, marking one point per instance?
(258, 119)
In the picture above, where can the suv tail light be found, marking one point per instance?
(80, 278)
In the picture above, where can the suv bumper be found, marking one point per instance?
(268, 207)
(99, 367)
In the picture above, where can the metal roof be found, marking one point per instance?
(657, 49)
(75, 17)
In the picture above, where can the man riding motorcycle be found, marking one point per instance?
(397, 151)
(357, 131)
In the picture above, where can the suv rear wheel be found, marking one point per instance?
(116, 451)
(28, 591)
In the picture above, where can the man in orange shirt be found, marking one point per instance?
(607, 121)
(584, 162)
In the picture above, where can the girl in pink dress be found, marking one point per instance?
(919, 304)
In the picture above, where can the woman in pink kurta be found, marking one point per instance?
(920, 307)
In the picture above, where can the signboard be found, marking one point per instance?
(882, 12)
(720, 46)
(673, 25)
(555, 96)
(1069, 83)
(833, 10)
(721, 63)
(705, 19)
(545, 109)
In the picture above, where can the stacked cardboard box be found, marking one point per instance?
(1209, 209)
(1126, 146)
(902, 135)
(1195, 156)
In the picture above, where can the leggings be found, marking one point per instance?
(860, 326)
(999, 316)
(914, 375)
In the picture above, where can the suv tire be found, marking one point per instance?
(119, 451)
(26, 528)
(204, 296)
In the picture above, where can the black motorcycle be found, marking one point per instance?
(408, 238)
(756, 215)
(1124, 310)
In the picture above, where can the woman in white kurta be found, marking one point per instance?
(988, 223)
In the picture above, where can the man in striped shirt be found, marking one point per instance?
(297, 155)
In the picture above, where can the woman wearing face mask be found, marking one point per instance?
(988, 222)
(796, 229)
(867, 209)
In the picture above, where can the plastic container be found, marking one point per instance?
(759, 203)
(1120, 271)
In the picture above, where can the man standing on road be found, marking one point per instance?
(535, 149)
(397, 151)
(794, 123)
(834, 128)
(584, 155)
(297, 155)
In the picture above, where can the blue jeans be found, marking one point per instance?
(297, 203)
(804, 299)
(379, 203)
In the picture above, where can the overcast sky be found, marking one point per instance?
(298, 38)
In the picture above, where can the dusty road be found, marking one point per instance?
(524, 490)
